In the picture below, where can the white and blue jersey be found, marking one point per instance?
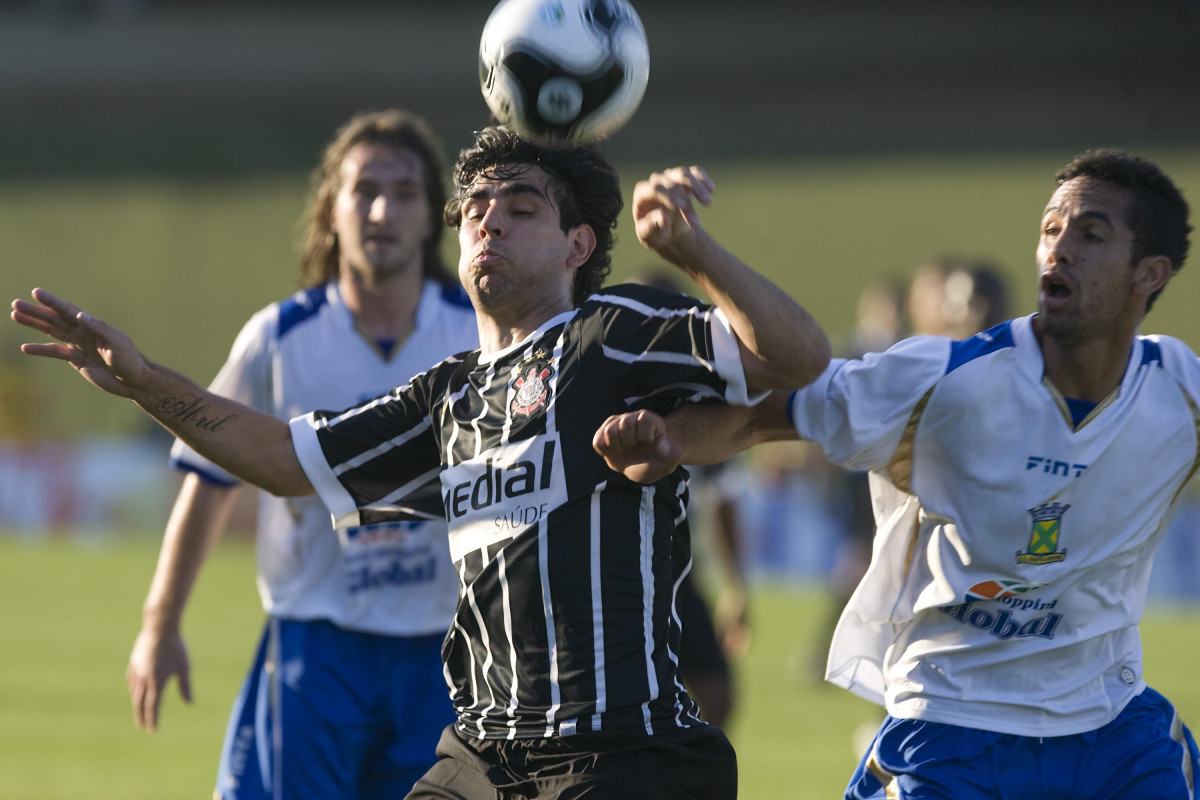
(1014, 544)
(393, 578)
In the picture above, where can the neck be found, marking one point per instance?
(383, 307)
(496, 333)
(1089, 369)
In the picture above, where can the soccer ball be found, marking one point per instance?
(563, 71)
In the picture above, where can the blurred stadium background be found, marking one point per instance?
(154, 157)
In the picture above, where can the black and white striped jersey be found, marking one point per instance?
(565, 622)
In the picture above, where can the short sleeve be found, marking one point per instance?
(857, 409)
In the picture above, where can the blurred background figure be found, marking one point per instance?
(880, 318)
(346, 696)
(957, 297)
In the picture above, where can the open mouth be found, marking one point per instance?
(1055, 286)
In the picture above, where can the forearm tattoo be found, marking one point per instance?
(191, 411)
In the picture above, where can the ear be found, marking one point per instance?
(1151, 274)
(582, 243)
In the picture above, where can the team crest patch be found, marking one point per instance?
(530, 388)
(1043, 541)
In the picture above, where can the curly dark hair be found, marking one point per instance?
(394, 128)
(585, 186)
(1158, 215)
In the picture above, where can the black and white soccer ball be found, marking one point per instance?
(563, 71)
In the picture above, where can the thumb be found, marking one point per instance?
(668, 448)
(185, 686)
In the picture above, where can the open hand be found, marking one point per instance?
(155, 658)
(99, 352)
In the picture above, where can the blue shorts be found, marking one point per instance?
(1146, 753)
(331, 713)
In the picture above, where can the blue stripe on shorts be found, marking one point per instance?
(328, 712)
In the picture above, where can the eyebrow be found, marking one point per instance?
(1096, 215)
(506, 189)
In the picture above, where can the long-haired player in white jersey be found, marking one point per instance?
(346, 696)
(1021, 480)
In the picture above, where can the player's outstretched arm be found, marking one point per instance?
(645, 446)
(254, 446)
(782, 345)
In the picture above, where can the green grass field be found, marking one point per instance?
(71, 609)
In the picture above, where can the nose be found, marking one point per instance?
(379, 208)
(1058, 249)
(490, 224)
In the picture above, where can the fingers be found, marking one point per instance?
(50, 350)
(39, 318)
(185, 686)
(50, 315)
(143, 695)
(673, 191)
(628, 431)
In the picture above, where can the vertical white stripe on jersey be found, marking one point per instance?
(462, 579)
(675, 656)
(544, 545)
(448, 456)
(556, 362)
(551, 640)
(506, 602)
(274, 685)
(487, 661)
(597, 608)
(687, 568)
(487, 384)
(646, 529)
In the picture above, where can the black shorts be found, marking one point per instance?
(687, 764)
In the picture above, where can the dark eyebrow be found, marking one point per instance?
(507, 189)
(1096, 215)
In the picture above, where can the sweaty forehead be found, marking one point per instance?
(511, 179)
(1085, 196)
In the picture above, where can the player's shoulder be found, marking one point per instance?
(1172, 354)
(294, 311)
(641, 298)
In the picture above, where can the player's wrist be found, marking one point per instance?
(160, 620)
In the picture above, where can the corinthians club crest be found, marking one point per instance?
(529, 388)
(1043, 541)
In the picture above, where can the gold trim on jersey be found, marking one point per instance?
(900, 468)
(1065, 410)
(1196, 461)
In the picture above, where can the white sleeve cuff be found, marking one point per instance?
(312, 459)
